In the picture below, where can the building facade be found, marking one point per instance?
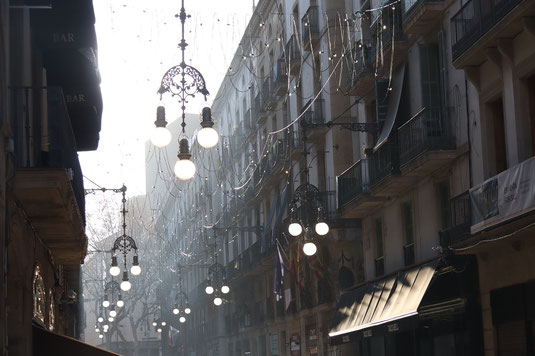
(413, 122)
(51, 109)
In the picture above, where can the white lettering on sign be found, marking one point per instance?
(63, 37)
(393, 327)
(75, 98)
(367, 333)
(345, 338)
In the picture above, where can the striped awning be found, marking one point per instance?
(384, 301)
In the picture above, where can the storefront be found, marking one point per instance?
(430, 310)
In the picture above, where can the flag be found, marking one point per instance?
(280, 270)
(173, 334)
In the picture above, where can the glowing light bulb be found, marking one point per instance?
(100, 319)
(185, 169)
(120, 303)
(100, 336)
(159, 330)
(126, 285)
(218, 301)
(322, 228)
(207, 137)
(309, 248)
(115, 271)
(225, 289)
(176, 311)
(113, 313)
(135, 270)
(111, 319)
(187, 310)
(160, 137)
(164, 323)
(182, 319)
(106, 303)
(295, 229)
(209, 289)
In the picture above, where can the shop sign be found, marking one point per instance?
(313, 350)
(346, 338)
(367, 333)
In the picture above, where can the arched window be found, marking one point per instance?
(39, 296)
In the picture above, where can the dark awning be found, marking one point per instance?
(384, 301)
(393, 104)
(47, 343)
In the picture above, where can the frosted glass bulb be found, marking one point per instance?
(185, 169)
(159, 330)
(309, 248)
(160, 137)
(182, 319)
(164, 323)
(115, 271)
(225, 289)
(100, 336)
(176, 311)
(105, 303)
(113, 313)
(126, 285)
(187, 310)
(135, 270)
(207, 137)
(209, 290)
(120, 303)
(218, 301)
(100, 319)
(322, 228)
(295, 229)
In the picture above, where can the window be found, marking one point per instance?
(495, 110)
(379, 255)
(408, 232)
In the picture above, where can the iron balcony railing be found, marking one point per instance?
(474, 19)
(461, 221)
(361, 62)
(310, 25)
(293, 52)
(393, 29)
(314, 113)
(384, 162)
(427, 131)
(27, 104)
(353, 183)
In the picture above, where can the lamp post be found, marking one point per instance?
(307, 209)
(184, 82)
(124, 244)
(181, 307)
(216, 283)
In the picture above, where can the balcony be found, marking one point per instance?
(361, 74)
(280, 85)
(295, 142)
(421, 16)
(310, 25)
(504, 197)
(461, 220)
(268, 94)
(393, 39)
(48, 182)
(260, 113)
(354, 199)
(426, 143)
(293, 55)
(480, 23)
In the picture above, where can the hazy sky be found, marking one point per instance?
(137, 42)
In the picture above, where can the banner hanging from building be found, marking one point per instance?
(503, 197)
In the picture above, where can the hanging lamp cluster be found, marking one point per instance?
(184, 82)
(124, 244)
